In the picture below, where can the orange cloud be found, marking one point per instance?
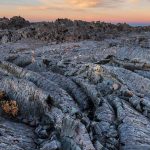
(102, 3)
(96, 3)
(84, 3)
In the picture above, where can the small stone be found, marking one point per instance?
(25, 121)
(39, 141)
(33, 123)
(116, 86)
(128, 94)
(43, 134)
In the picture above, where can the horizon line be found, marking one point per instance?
(134, 23)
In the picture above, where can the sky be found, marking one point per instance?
(129, 11)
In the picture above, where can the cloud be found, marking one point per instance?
(94, 3)
(71, 4)
(84, 3)
(102, 3)
(46, 5)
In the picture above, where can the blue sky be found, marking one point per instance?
(19, 2)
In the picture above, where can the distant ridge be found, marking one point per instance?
(62, 30)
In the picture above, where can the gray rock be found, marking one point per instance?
(51, 145)
(85, 95)
(5, 39)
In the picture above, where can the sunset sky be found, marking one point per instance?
(130, 11)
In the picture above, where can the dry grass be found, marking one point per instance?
(10, 107)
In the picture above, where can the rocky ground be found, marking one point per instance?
(74, 89)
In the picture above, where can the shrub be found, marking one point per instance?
(10, 107)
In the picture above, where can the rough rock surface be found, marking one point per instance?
(16, 136)
(85, 95)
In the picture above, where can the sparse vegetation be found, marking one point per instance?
(10, 107)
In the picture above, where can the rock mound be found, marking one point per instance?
(63, 30)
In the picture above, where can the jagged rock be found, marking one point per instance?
(31, 100)
(66, 30)
(16, 136)
(74, 135)
(4, 23)
(130, 79)
(18, 22)
(21, 61)
(61, 100)
(71, 87)
(85, 95)
(51, 145)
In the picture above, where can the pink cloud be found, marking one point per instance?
(94, 3)
(84, 3)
